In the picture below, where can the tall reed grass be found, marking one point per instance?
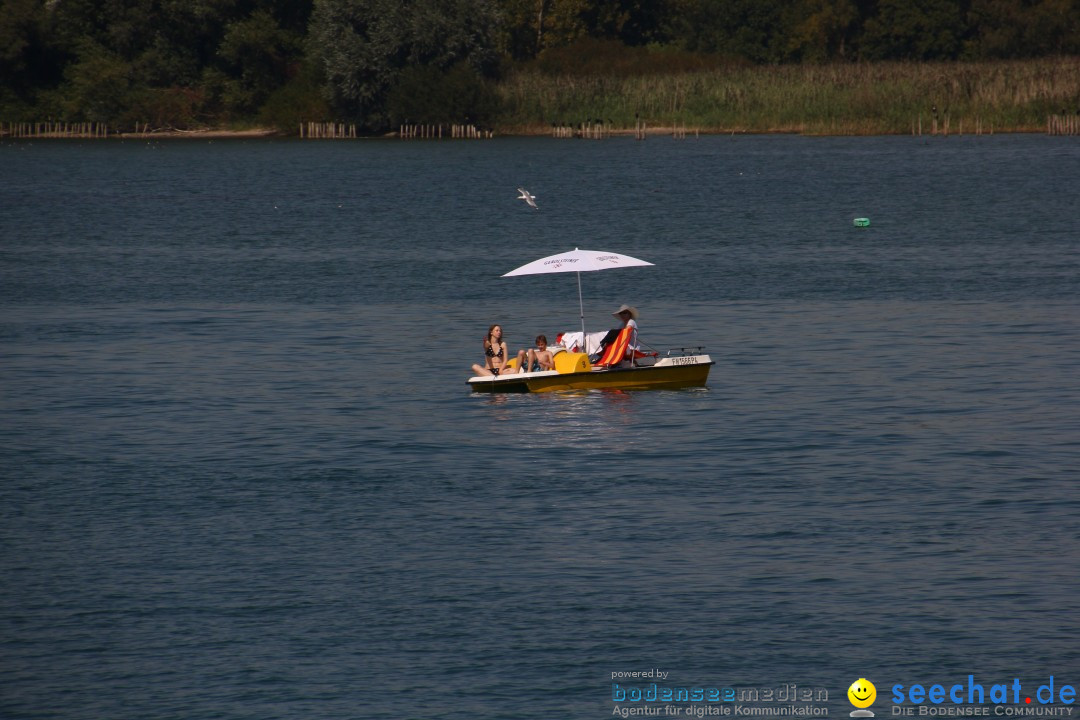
(849, 99)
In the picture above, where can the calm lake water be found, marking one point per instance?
(242, 476)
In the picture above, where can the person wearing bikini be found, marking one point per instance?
(496, 355)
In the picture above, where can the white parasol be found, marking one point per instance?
(578, 261)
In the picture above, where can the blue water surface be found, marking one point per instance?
(242, 475)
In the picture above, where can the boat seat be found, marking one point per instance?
(618, 351)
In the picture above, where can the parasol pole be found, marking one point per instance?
(581, 308)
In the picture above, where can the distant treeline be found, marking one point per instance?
(378, 64)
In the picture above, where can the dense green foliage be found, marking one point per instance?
(377, 63)
(370, 49)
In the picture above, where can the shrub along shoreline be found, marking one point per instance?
(849, 99)
(883, 98)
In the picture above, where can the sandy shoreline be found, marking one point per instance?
(515, 131)
(207, 133)
(658, 131)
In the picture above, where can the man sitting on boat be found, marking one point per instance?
(629, 315)
(620, 344)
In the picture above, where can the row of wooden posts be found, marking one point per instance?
(437, 132)
(326, 131)
(943, 126)
(599, 130)
(1063, 124)
(679, 132)
(54, 130)
(589, 130)
(1055, 125)
(86, 130)
(593, 130)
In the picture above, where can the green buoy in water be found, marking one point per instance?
(862, 222)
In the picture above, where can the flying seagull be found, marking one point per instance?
(530, 200)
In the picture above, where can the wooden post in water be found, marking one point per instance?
(1063, 124)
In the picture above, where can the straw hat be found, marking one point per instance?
(627, 308)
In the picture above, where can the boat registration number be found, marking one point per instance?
(684, 361)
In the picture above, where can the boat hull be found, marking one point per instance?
(668, 374)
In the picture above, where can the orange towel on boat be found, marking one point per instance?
(616, 351)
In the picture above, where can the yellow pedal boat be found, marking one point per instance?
(574, 372)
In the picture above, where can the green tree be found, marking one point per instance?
(363, 46)
(258, 55)
(133, 61)
(532, 26)
(99, 86)
(915, 30)
(819, 30)
(360, 47)
(30, 60)
(1054, 28)
(298, 101)
(747, 29)
(632, 22)
(424, 94)
(997, 29)
(518, 33)
(563, 23)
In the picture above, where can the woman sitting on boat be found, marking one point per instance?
(496, 355)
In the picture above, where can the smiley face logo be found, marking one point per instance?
(862, 693)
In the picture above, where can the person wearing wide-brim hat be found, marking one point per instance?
(629, 315)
